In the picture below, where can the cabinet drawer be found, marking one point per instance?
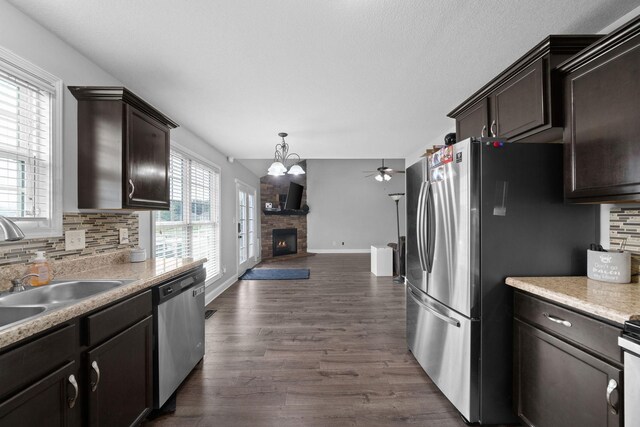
(558, 385)
(585, 331)
(30, 362)
(106, 323)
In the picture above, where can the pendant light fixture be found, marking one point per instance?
(280, 159)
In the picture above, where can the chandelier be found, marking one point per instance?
(282, 157)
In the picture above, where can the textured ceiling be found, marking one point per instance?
(345, 78)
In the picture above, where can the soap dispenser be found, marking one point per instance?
(41, 267)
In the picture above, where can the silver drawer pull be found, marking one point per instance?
(71, 401)
(96, 369)
(557, 320)
(610, 389)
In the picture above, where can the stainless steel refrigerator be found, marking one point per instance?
(478, 212)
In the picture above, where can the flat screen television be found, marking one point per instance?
(294, 197)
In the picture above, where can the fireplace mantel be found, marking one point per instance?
(288, 212)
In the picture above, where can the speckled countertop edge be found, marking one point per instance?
(611, 301)
(145, 275)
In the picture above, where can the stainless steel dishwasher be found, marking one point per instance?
(179, 331)
(630, 343)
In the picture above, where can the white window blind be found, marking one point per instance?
(191, 228)
(29, 147)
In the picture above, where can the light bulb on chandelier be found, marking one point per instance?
(281, 157)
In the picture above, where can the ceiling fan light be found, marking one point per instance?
(387, 177)
(379, 178)
(296, 170)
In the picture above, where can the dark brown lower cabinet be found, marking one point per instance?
(51, 401)
(557, 384)
(120, 377)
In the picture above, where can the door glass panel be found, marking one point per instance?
(242, 226)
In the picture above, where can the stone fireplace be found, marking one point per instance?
(271, 189)
(285, 241)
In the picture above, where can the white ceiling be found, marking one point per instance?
(345, 78)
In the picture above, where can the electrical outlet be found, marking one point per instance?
(224, 269)
(124, 236)
(342, 243)
(74, 240)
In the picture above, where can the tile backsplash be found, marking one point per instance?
(624, 223)
(101, 236)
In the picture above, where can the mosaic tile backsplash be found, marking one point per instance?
(624, 223)
(101, 236)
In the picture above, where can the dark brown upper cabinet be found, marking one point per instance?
(123, 150)
(524, 102)
(602, 106)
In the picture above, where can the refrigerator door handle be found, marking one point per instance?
(436, 313)
(420, 228)
(431, 232)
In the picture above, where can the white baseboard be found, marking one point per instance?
(217, 290)
(339, 251)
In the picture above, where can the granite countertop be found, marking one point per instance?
(611, 301)
(145, 275)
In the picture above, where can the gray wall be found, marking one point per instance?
(28, 39)
(347, 207)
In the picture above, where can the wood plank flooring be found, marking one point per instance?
(328, 351)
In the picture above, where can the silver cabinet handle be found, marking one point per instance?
(483, 132)
(557, 320)
(96, 369)
(613, 384)
(449, 320)
(71, 401)
(494, 128)
(133, 188)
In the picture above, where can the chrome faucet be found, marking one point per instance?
(11, 230)
(18, 285)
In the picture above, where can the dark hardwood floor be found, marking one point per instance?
(328, 351)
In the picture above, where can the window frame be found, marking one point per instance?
(192, 156)
(20, 67)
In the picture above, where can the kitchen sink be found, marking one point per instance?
(19, 306)
(60, 292)
(10, 315)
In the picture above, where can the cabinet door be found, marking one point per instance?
(50, 401)
(474, 121)
(557, 385)
(146, 162)
(119, 373)
(602, 131)
(520, 104)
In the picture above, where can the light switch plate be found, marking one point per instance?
(74, 240)
(124, 236)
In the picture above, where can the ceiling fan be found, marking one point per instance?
(383, 173)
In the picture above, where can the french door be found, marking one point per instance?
(246, 226)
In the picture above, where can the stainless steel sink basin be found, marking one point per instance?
(9, 315)
(60, 292)
(20, 306)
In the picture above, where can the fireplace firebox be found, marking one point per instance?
(285, 241)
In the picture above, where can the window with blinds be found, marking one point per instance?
(191, 227)
(29, 147)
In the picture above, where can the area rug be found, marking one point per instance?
(276, 274)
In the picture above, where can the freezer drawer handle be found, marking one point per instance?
(449, 320)
(557, 320)
(610, 388)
